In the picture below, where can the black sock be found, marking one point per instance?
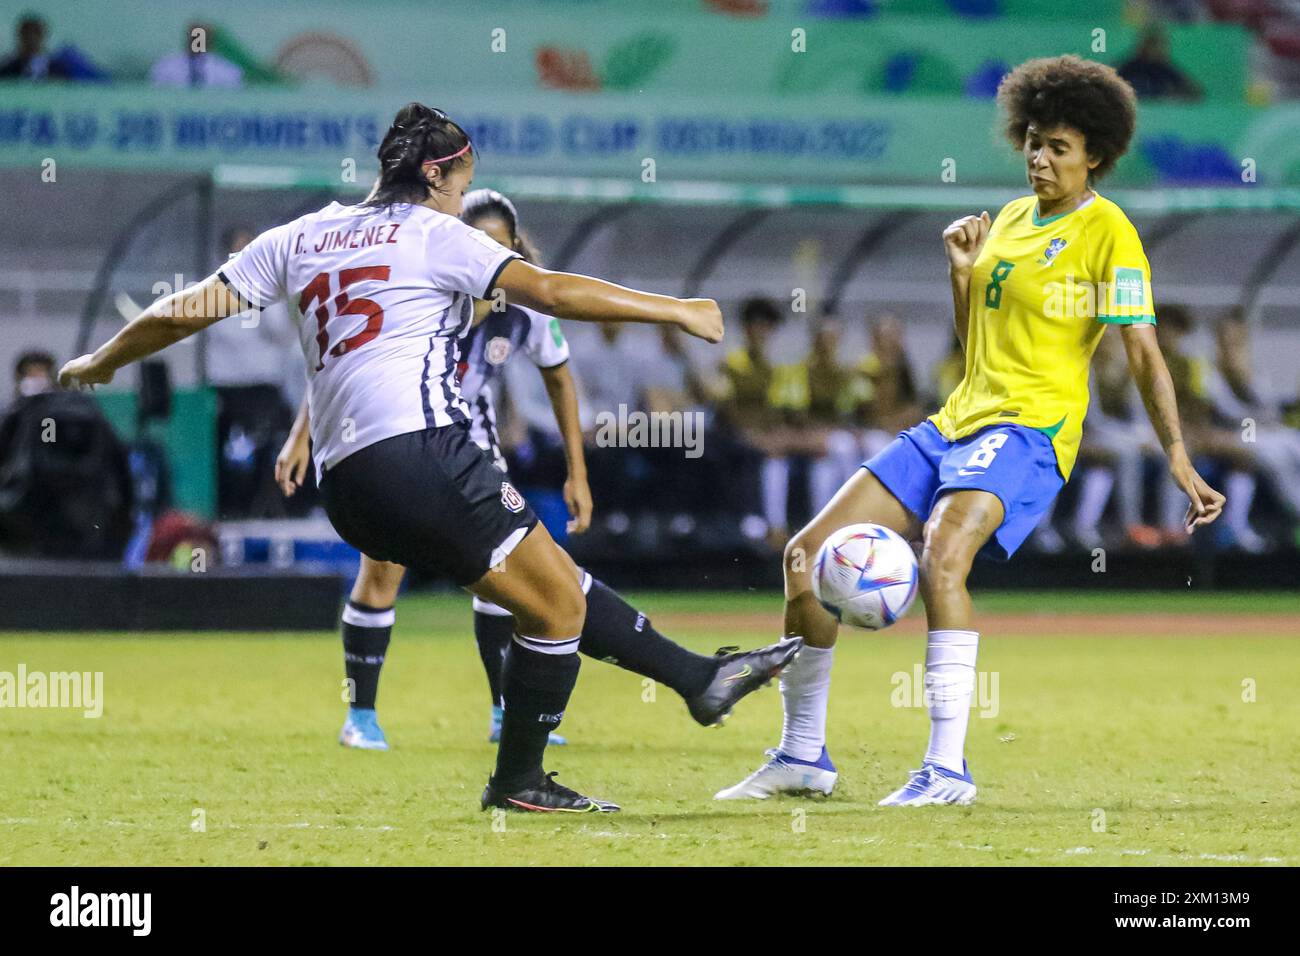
(536, 688)
(615, 632)
(366, 631)
(493, 633)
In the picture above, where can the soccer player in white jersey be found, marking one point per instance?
(498, 333)
(385, 290)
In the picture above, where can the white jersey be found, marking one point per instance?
(392, 284)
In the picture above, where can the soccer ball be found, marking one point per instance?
(866, 576)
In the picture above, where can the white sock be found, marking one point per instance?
(805, 692)
(949, 682)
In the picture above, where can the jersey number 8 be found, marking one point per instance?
(987, 450)
(993, 291)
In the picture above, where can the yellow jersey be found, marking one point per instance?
(1040, 292)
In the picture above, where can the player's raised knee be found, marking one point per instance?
(798, 558)
(564, 612)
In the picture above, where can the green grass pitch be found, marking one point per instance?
(1140, 730)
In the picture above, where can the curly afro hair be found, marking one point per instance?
(1070, 91)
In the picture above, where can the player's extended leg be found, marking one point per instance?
(959, 525)
(617, 633)
(537, 585)
(801, 763)
(367, 625)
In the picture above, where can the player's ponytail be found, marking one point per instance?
(489, 204)
(419, 137)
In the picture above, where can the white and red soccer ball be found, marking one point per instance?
(866, 576)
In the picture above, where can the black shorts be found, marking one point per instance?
(430, 500)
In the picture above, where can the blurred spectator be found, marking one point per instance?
(889, 401)
(608, 370)
(754, 399)
(1241, 404)
(197, 65)
(255, 362)
(672, 382)
(1153, 74)
(29, 61)
(33, 374)
(828, 438)
(1116, 443)
(65, 481)
(1204, 436)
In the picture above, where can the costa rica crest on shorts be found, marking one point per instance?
(497, 351)
(513, 500)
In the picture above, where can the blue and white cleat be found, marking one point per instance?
(361, 730)
(933, 784)
(785, 774)
(494, 731)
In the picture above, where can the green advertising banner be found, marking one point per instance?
(916, 47)
(799, 140)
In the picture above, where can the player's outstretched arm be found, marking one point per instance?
(166, 322)
(1157, 389)
(586, 299)
(563, 392)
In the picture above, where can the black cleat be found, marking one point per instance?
(546, 796)
(739, 674)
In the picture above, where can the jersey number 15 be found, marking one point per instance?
(318, 290)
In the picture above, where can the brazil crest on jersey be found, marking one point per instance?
(1041, 292)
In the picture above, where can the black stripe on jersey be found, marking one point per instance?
(448, 376)
(492, 283)
(430, 417)
(244, 299)
(484, 409)
(452, 409)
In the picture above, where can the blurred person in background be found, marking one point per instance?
(33, 374)
(611, 380)
(255, 363)
(1243, 402)
(1205, 436)
(196, 65)
(1152, 73)
(672, 381)
(30, 61)
(1115, 446)
(65, 479)
(751, 403)
(831, 445)
(671, 385)
(889, 400)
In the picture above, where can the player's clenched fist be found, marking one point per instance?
(964, 238)
(83, 371)
(702, 318)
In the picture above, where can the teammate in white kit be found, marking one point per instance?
(392, 280)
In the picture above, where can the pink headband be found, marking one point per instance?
(434, 162)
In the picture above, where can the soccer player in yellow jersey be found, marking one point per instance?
(1033, 291)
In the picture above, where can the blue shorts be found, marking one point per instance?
(1016, 463)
